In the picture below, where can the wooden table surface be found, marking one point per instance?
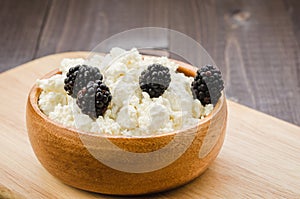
(255, 43)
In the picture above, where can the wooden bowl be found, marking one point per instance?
(69, 154)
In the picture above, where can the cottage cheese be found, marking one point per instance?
(131, 111)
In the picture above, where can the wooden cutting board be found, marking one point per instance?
(260, 157)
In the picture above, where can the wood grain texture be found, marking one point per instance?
(255, 43)
(81, 25)
(20, 23)
(293, 9)
(255, 46)
(259, 159)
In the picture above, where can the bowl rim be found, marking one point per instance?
(35, 92)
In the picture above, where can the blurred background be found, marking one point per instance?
(254, 43)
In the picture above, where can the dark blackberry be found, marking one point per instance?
(79, 76)
(207, 85)
(94, 99)
(155, 80)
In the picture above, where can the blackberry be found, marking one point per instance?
(94, 99)
(155, 80)
(207, 85)
(79, 76)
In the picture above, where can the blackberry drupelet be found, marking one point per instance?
(155, 80)
(94, 99)
(207, 85)
(79, 76)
